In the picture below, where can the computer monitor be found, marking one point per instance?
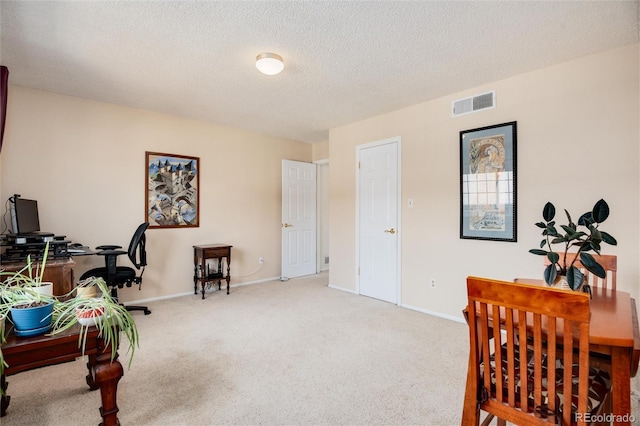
(24, 217)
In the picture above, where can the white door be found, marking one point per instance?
(298, 219)
(378, 218)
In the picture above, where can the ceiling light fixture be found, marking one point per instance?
(269, 63)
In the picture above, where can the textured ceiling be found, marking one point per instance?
(344, 60)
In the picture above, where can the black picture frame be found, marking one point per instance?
(488, 183)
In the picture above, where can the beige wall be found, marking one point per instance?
(578, 136)
(84, 163)
(320, 151)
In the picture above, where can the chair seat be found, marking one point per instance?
(599, 382)
(123, 274)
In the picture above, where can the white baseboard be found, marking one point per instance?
(173, 296)
(341, 289)
(435, 314)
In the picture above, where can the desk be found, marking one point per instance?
(28, 353)
(201, 271)
(58, 271)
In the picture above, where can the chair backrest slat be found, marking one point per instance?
(498, 354)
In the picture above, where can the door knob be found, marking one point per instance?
(286, 225)
(391, 231)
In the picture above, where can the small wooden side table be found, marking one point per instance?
(201, 271)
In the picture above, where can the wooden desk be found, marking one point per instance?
(611, 332)
(58, 271)
(28, 353)
(201, 270)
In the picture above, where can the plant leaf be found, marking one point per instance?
(538, 252)
(592, 265)
(574, 278)
(600, 211)
(541, 225)
(549, 212)
(550, 274)
(595, 245)
(586, 219)
(553, 257)
(569, 230)
(569, 218)
(551, 230)
(607, 238)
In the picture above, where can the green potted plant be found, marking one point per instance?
(31, 275)
(17, 294)
(104, 312)
(30, 303)
(585, 236)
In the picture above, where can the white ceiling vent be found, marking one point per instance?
(473, 104)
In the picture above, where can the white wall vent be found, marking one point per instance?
(473, 104)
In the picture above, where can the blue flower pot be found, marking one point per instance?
(32, 321)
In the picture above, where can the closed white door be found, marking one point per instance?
(378, 203)
(298, 219)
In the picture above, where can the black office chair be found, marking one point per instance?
(120, 276)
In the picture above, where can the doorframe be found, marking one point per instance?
(320, 230)
(398, 141)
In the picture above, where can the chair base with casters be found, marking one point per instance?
(123, 276)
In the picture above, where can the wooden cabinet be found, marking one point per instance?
(58, 271)
(205, 272)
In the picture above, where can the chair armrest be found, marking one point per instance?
(108, 247)
(111, 252)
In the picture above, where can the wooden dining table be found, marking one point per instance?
(615, 333)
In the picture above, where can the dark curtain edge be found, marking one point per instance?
(4, 86)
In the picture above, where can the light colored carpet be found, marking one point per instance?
(292, 353)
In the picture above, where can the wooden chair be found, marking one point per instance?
(607, 261)
(530, 387)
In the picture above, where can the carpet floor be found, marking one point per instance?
(275, 353)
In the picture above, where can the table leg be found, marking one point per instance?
(107, 373)
(4, 398)
(195, 273)
(621, 385)
(228, 272)
(204, 274)
(219, 272)
(91, 378)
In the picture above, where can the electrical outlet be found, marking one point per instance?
(432, 282)
(261, 260)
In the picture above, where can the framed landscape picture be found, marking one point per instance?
(172, 190)
(488, 183)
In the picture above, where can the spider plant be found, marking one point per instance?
(111, 318)
(15, 290)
